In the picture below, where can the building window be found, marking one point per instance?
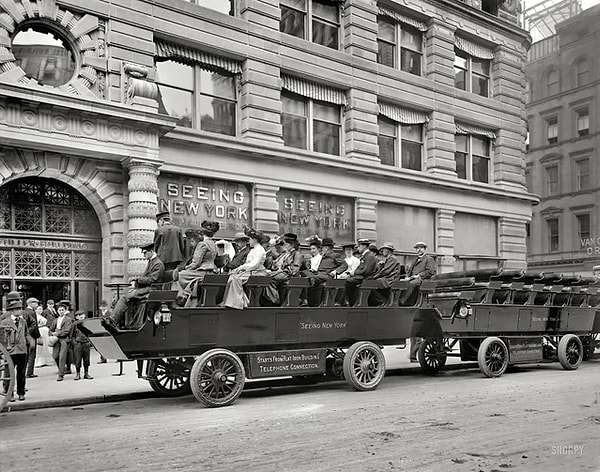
(552, 183)
(318, 20)
(400, 144)
(583, 226)
(410, 53)
(471, 73)
(552, 130)
(583, 174)
(582, 73)
(553, 235)
(583, 122)
(198, 98)
(472, 157)
(311, 124)
(223, 6)
(551, 83)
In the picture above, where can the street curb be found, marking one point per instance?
(119, 397)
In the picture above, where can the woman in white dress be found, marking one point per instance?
(43, 356)
(234, 296)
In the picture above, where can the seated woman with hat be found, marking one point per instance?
(234, 296)
(203, 261)
(286, 266)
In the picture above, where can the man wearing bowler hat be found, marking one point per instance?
(364, 271)
(388, 271)
(12, 335)
(125, 314)
(31, 334)
(423, 267)
(169, 242)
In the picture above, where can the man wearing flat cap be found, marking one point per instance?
(62, 328)
(364, 271)
(31, 334)
(125, 315)
(286, 266)
(12, 335)
(388, 271)
(240, 241)
(169, 242)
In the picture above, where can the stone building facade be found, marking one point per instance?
(396, 121)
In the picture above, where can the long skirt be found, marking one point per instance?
(235, 296)
(186, 277)
(44, 356)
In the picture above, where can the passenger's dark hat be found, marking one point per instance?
(14, 301)
(387, 245)
(364, 241)
(345, 245)
(290, 237)
(163, 214)
(253, 233)
(314, 240)
(373, 248)
(328, 242)
(209, 227)
(240, 237)
(147, 247)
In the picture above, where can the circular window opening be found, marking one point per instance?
(44, 56)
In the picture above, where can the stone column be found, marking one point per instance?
(444, 244)
(366, 218)
(141, 210)
(266, 208)
(512, 237)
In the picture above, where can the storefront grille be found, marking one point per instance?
(28, 263)
(86, 265)
(51, 264)
(28, 218)
(58, 264)
(5, 262)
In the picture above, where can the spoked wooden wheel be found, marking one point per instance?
(170, 376)
(364, 366)
(7, 373)
(217, 378)
(570, 352)
(432, 355)
(492, 357)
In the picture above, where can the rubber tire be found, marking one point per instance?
(482, 353)
(210, 357)
(5, 360)
(566, 351)
(421, 355)
(374, 368)
(182, 390)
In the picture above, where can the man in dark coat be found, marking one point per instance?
(388, 271)
(364, 271)
(13, 330)
(50, 312)
(240, 241)
(31, 334)
(62, 328)
(169, 241)
(330, 263)
(153, 274)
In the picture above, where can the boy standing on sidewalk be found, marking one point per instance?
(82, 349)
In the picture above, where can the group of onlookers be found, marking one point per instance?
(38, 337)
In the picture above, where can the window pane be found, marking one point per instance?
(175, 74)
(411, 155)
(297, 4)
(583, 174)
(292, 22)
(386, 54)
(583, 225)
(479, 85)
(176, 103)
(460, 78)
(217, 116)
(387, 149)
(461, 142)
(481, 146)
(326, 112)
(325, 34)
(294, 131)
(553, 236)
(412, 132)
(461, 164)
(218, 85)
(326, 137)
(224, 6)
(481, 66)
(387, 127)
(326, 11)
(293, 105)
(387, 30)
(460, 60)
(410, 62)
(480, 168)
(411, 38)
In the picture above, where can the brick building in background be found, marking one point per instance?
(396, 121)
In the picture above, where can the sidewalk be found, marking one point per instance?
(45, 392)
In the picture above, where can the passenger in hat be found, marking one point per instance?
(12, 335)
(32, 334)
(364, 271)
(126, 313)
(329, 265)
(62, 329)
(422, 268)
(169, 242)
(235, 296)
(286, 266)
(225, 253)
(240, 241)
(387, 273)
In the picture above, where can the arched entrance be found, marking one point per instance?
(50, 242)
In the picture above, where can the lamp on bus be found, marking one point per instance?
(163, 316)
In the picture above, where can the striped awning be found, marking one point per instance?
(462, 128)
(205, 60)
(401, 18)
(313, 90)
(473, 49)
(402, 115)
